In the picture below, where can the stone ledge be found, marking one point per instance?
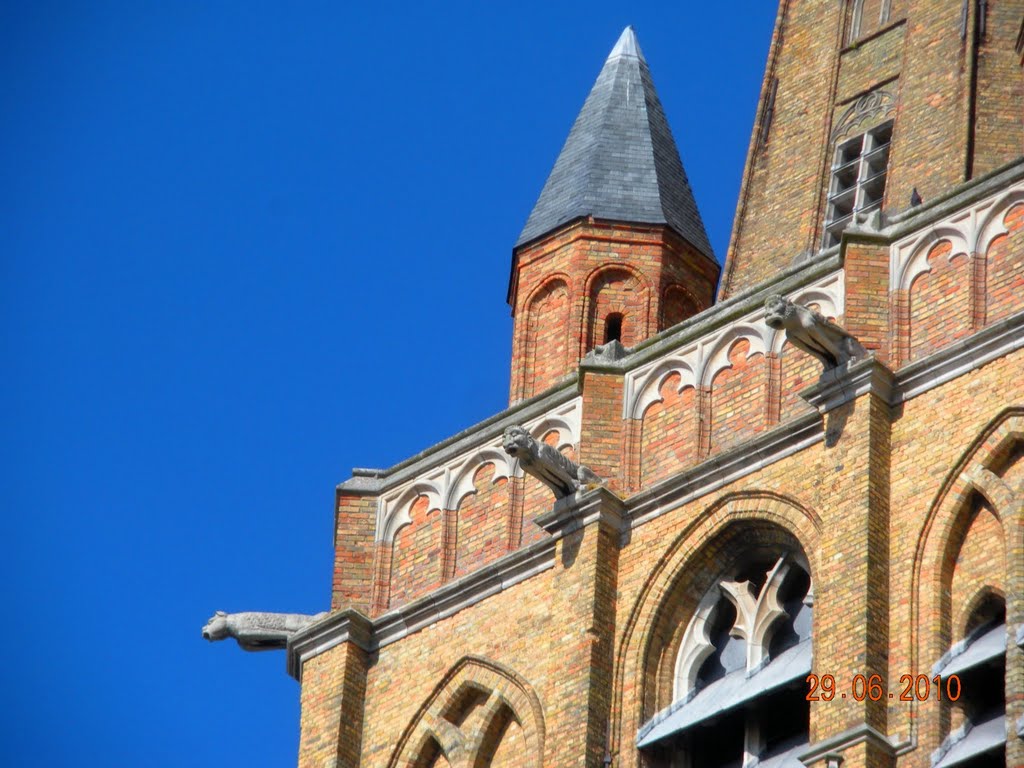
(831, 749)
(349, 626)
(978, 349)
(376, 481)
(572, 513)
(841, 385)
(373, 634)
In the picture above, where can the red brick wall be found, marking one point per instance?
(354, 551)
(483, 523)
(669, 433)
(617, 291)
(1005, 263)
(605, 268)
(940, 302)
(416, 554)
(602, 430)
(738, 398)
(999, 92)
(549, 348)
(799, 371)
(677, 304)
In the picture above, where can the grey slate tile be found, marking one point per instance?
(620, 161)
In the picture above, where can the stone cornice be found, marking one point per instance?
(349, 626)
(841, 385)
(460, 594)
(988, 344)
(375, 481)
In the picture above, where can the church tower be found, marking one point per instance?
(614, 248)
(872, 106)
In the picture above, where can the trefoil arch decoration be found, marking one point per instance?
(758, 610)
(447, 485)
(646, 635)
(970, 231)
(741, 654)
(698, 362)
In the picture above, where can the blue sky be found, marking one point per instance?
(244, 248)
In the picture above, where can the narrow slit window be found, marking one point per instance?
(613, 327)
(857, 183)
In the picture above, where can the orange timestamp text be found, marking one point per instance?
(913, 688)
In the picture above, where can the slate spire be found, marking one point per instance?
(620, 162)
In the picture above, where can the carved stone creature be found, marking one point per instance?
(563, 476)
(257, 631)
(810, 331)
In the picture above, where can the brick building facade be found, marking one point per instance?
(759, 521)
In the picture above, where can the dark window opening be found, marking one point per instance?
(980, 741)
(719, 743)
(784, 720)
(613, 327)
(989, 613)
(727, 656)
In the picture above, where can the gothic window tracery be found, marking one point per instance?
(739, 690)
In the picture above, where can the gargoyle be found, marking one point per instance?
(562, 476)
(810, 331)
(257, 631)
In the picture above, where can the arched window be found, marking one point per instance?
(977, 733)
(740, 673)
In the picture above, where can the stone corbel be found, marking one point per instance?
(584, 508)
(349, 626)
(841, 385)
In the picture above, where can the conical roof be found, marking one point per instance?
(620, 162)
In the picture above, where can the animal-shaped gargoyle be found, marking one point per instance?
(256, 631)
(810, 331)
(563, 476)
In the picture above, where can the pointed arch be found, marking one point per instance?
(501, 695)
(637, 658)
(974, 486)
